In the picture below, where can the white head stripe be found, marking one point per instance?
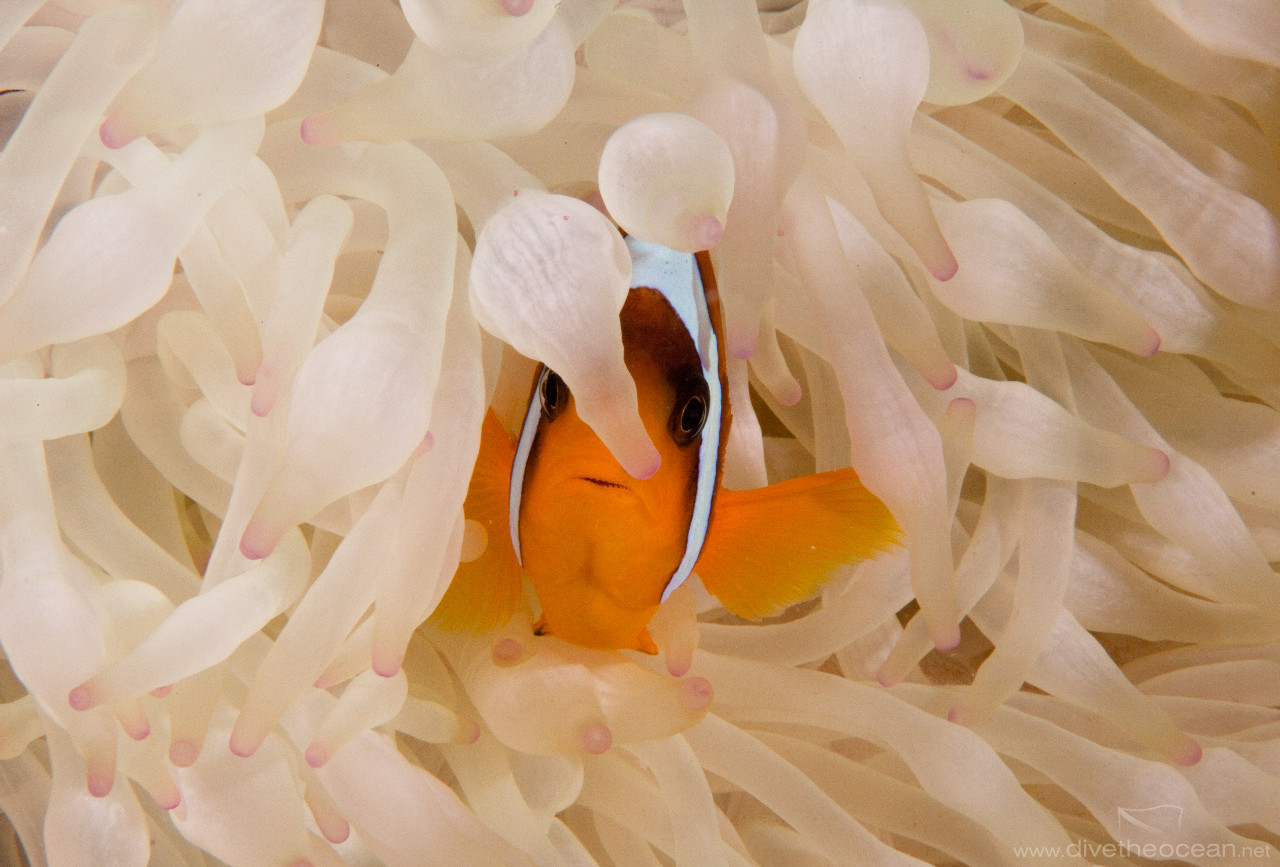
(676, 276)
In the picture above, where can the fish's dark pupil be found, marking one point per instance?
(689, 413)
(554, 394)
(693, 415)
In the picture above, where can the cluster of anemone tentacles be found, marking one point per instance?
(1017, 263)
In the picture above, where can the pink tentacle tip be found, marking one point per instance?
(517, 8)
(1150, 345)
(958, 716)
(1160, 464)
(976, 72)
(646, 467)
(790, 394)
(170, 799)
(595, 738)
(387, 665)
(183, 753)
(317, 755)
(705, 232)
(678, 664)
(82, 697)
(100, 781)
(507, 652)
(243, 745)
(137, 728)
(335, 829)
(888, 679)
(943, 266)
(115, 133)
(942, 376)
(947, 639)
(261, 402)
(336, 832)
(743, 346)
(1189, 754)
(254, 545)
(696, 693)
(427, 444)
(161, 691)
(468, 731)
(312, 130)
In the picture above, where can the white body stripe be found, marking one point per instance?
(676, 276)
(521, 463)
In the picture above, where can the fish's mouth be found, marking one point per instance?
(604, 483)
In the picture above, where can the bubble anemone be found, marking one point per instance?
(263, 271)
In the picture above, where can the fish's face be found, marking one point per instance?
(598, 544)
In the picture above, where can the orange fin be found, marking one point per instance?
(768, 548)
(644, 643)
(486, 591)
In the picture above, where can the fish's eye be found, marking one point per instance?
(688, 418)
(553, 393)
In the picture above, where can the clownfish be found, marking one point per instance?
(603, 549)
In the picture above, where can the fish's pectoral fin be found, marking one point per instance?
(485, 592)
(771, 547)
(644, 643)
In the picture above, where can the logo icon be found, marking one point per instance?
(1164, 819)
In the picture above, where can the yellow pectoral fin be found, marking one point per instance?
(768, 548)
(485, 592)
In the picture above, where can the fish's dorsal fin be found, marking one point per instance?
(486, 591)
(768, 548)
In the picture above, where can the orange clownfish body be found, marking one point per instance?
(603, 549)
